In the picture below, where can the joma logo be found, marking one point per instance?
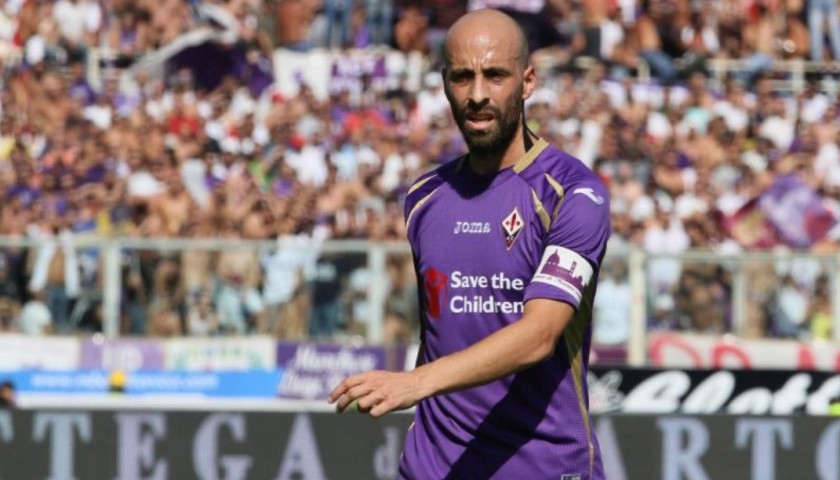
(472, 227)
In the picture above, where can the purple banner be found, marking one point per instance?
(608, 355)
(790, 212)
(311, 371)
(125, 354)
(350, 73)
(797, 212)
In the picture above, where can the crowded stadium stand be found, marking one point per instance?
(218, 185)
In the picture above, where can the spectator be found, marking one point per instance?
(647, 41)
(35, 318)
(789, 310)
(8, 397)
(166, 303)
(610, 319)
(79, 22)
(56, 273)
(819, 14)
(327, 286)
(10, 299)
(284, 278)
(202, 320)
(238, 302)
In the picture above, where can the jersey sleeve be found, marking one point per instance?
(574, 245)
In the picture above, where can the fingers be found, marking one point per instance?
(344, 386)
(359, 395)
(373, 393)
(381, 409)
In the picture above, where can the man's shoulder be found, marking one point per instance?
(562, 164)
(431, 180)
(564, 173)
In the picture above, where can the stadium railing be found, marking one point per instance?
(788, 75)
(745, 287)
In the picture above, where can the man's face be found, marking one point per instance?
(7, 394)
(485, 84)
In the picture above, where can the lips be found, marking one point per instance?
(479, 121)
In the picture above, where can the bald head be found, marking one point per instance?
(487, 25)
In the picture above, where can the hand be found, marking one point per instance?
(378, 392)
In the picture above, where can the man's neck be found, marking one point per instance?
(491, 162)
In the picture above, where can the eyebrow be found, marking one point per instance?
(487, 71)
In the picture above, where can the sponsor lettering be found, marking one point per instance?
(292, 445)
(498, 281)
(480, 304)
(442, 291)
(312, 371)
(471, 227)
(677, 391)
(484, 303)
(141, 439)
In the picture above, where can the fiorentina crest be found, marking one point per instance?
(511, 226)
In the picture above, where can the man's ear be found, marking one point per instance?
(443, 73)
(529, 82)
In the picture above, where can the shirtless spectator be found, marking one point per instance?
(167, 299)
(174, 205)
(294, 19)
(168, 19)
(646, 40)
(760, 36)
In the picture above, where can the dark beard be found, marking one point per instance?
(495, 140)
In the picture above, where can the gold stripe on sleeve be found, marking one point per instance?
(418, 205)
(420, 184)
(538, 206)
(574, 343)
(561, 192)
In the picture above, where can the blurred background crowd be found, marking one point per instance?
(163, 118)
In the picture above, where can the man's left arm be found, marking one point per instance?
(521, 344)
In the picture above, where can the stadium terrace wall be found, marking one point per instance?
(115, 445)
(49, 372)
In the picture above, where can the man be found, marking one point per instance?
(507, 242)
(7, 394)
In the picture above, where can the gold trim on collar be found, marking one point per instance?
(530, 156)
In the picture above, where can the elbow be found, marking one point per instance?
(543, 349)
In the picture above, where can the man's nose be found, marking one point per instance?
(478, 91)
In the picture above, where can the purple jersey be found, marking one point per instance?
(482, 247)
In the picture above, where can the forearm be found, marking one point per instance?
(523, 343)
(520, 345)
